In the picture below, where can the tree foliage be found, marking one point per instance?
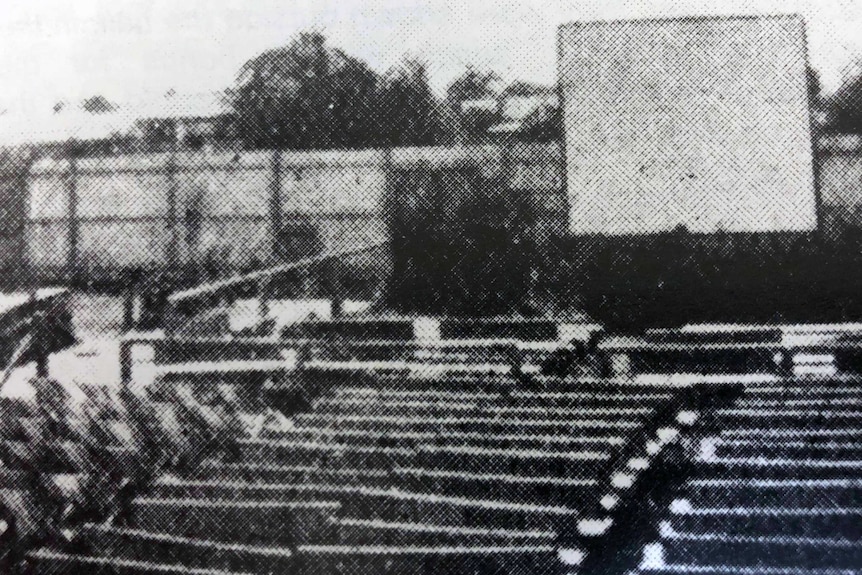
(97, 105)
(409, 112)
(473, 84)
(847, 106)
(310, 95)
(306, 95)
(472, 102)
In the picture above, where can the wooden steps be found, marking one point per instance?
(776, 487)
(197, 553)
(451, 465)
(266, 521)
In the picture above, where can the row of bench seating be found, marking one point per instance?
(392, 468)
(775, 486)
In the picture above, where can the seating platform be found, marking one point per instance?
(475, 465)
(410, 456)
(775, 487)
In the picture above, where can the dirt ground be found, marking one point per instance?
(98, 321)
(95, 360)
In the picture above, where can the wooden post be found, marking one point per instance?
(263, 294)
(72, 190)
(388, 207)
(125, 364)
(39, 340)
(173, 240)
(275, 201)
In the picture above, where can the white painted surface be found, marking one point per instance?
(702, 123)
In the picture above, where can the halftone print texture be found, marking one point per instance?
(331, 322)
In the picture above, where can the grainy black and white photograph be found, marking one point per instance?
(444, 287)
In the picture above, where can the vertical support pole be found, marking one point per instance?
(817, 155)
(22, 246)
(129, 305)
(388, 204)
(173, 239)
(275, 223)
(40, 335)
(517, 359)
(74, 227)
(125, 364)
(263, 295)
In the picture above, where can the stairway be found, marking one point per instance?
(457, 472)
(776, 487)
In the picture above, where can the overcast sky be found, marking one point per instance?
(131, 49)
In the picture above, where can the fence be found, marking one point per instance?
(96, 216)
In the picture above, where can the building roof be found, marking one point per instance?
(73, 122)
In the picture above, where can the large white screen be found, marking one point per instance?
(696, 122)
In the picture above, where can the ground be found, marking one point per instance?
(95, 360)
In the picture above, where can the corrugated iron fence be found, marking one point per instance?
(99, 216)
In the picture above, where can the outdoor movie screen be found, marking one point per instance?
(702, 123)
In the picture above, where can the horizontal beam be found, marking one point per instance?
(214, 287)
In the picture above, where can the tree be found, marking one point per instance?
(408, 110)
(97, 105)
(306, 95)
(472, 85)
(476, 89)
(847, 106)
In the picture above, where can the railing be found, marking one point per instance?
(188, 356)
(183, 307)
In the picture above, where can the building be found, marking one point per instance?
(104, 128)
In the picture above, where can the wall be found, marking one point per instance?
(100, 217)
(124, 212)
(169, 210)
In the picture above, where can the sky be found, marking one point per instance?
(131, 50)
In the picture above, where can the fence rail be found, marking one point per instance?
(175, 209)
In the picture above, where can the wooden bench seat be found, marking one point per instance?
(811, 435)
(262, 522)
(183, 350)
(761, 521)
(779, 552)
(761, 468)
(553, 490)
(476, 439)
(796, 402)
(511, 487)
(377, 532)
(381, 560)
(469, 459)
(288, 473)
(366, 396)
(395, 504)
(796, 417)
(826, 450)
(47, 562)
(651, 355)
(814, 390)
(168, 548)
(477, 409)
(597, 425)
(794, 493)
